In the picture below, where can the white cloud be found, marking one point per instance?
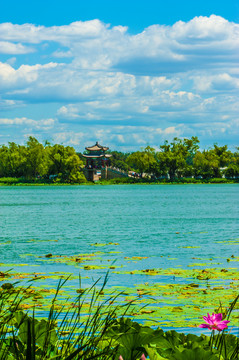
(38, 124)
(220, 81)
(23, 76)
(7, 47)
(69, 137)
(201, 27)
(164, 81)
(65, 34)
(96, 45)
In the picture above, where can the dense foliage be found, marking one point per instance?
(180, 159)
(37, 161)
(119, 160)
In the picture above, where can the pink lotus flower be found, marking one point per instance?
(142, 357)
(214, 322)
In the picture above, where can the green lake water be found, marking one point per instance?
(170, 226)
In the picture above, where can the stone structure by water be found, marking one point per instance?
(97, 164)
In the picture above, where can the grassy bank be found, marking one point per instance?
(11, 181)
(166, 181)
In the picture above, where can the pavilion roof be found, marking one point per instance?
(96, 147)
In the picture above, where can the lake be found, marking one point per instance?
(131, 229)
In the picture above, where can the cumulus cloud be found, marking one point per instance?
(220, 81)
(165, 81)
(38, 124)
(96, 45)
(23, 76)
(7, 47)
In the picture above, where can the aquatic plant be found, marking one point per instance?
(214, 322)
(221, 341)
(106, 332)
(64, 335)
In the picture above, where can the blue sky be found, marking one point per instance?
(136, 14)
(124, 73)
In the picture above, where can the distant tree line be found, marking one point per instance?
(35, 160)
(179, 159)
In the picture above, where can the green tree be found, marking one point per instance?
(232, 170)
(73, 164)
(206, 164)
(36, 158)
(142, 161)
(65, 163)
(118, 160)
(12, 160)
(176, 159)
(223, 155)
(58, 155)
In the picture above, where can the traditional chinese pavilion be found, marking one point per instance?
(96, 161)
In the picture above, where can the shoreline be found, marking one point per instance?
(109, 184)
(118, 182)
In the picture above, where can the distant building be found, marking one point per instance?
(97, 162)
